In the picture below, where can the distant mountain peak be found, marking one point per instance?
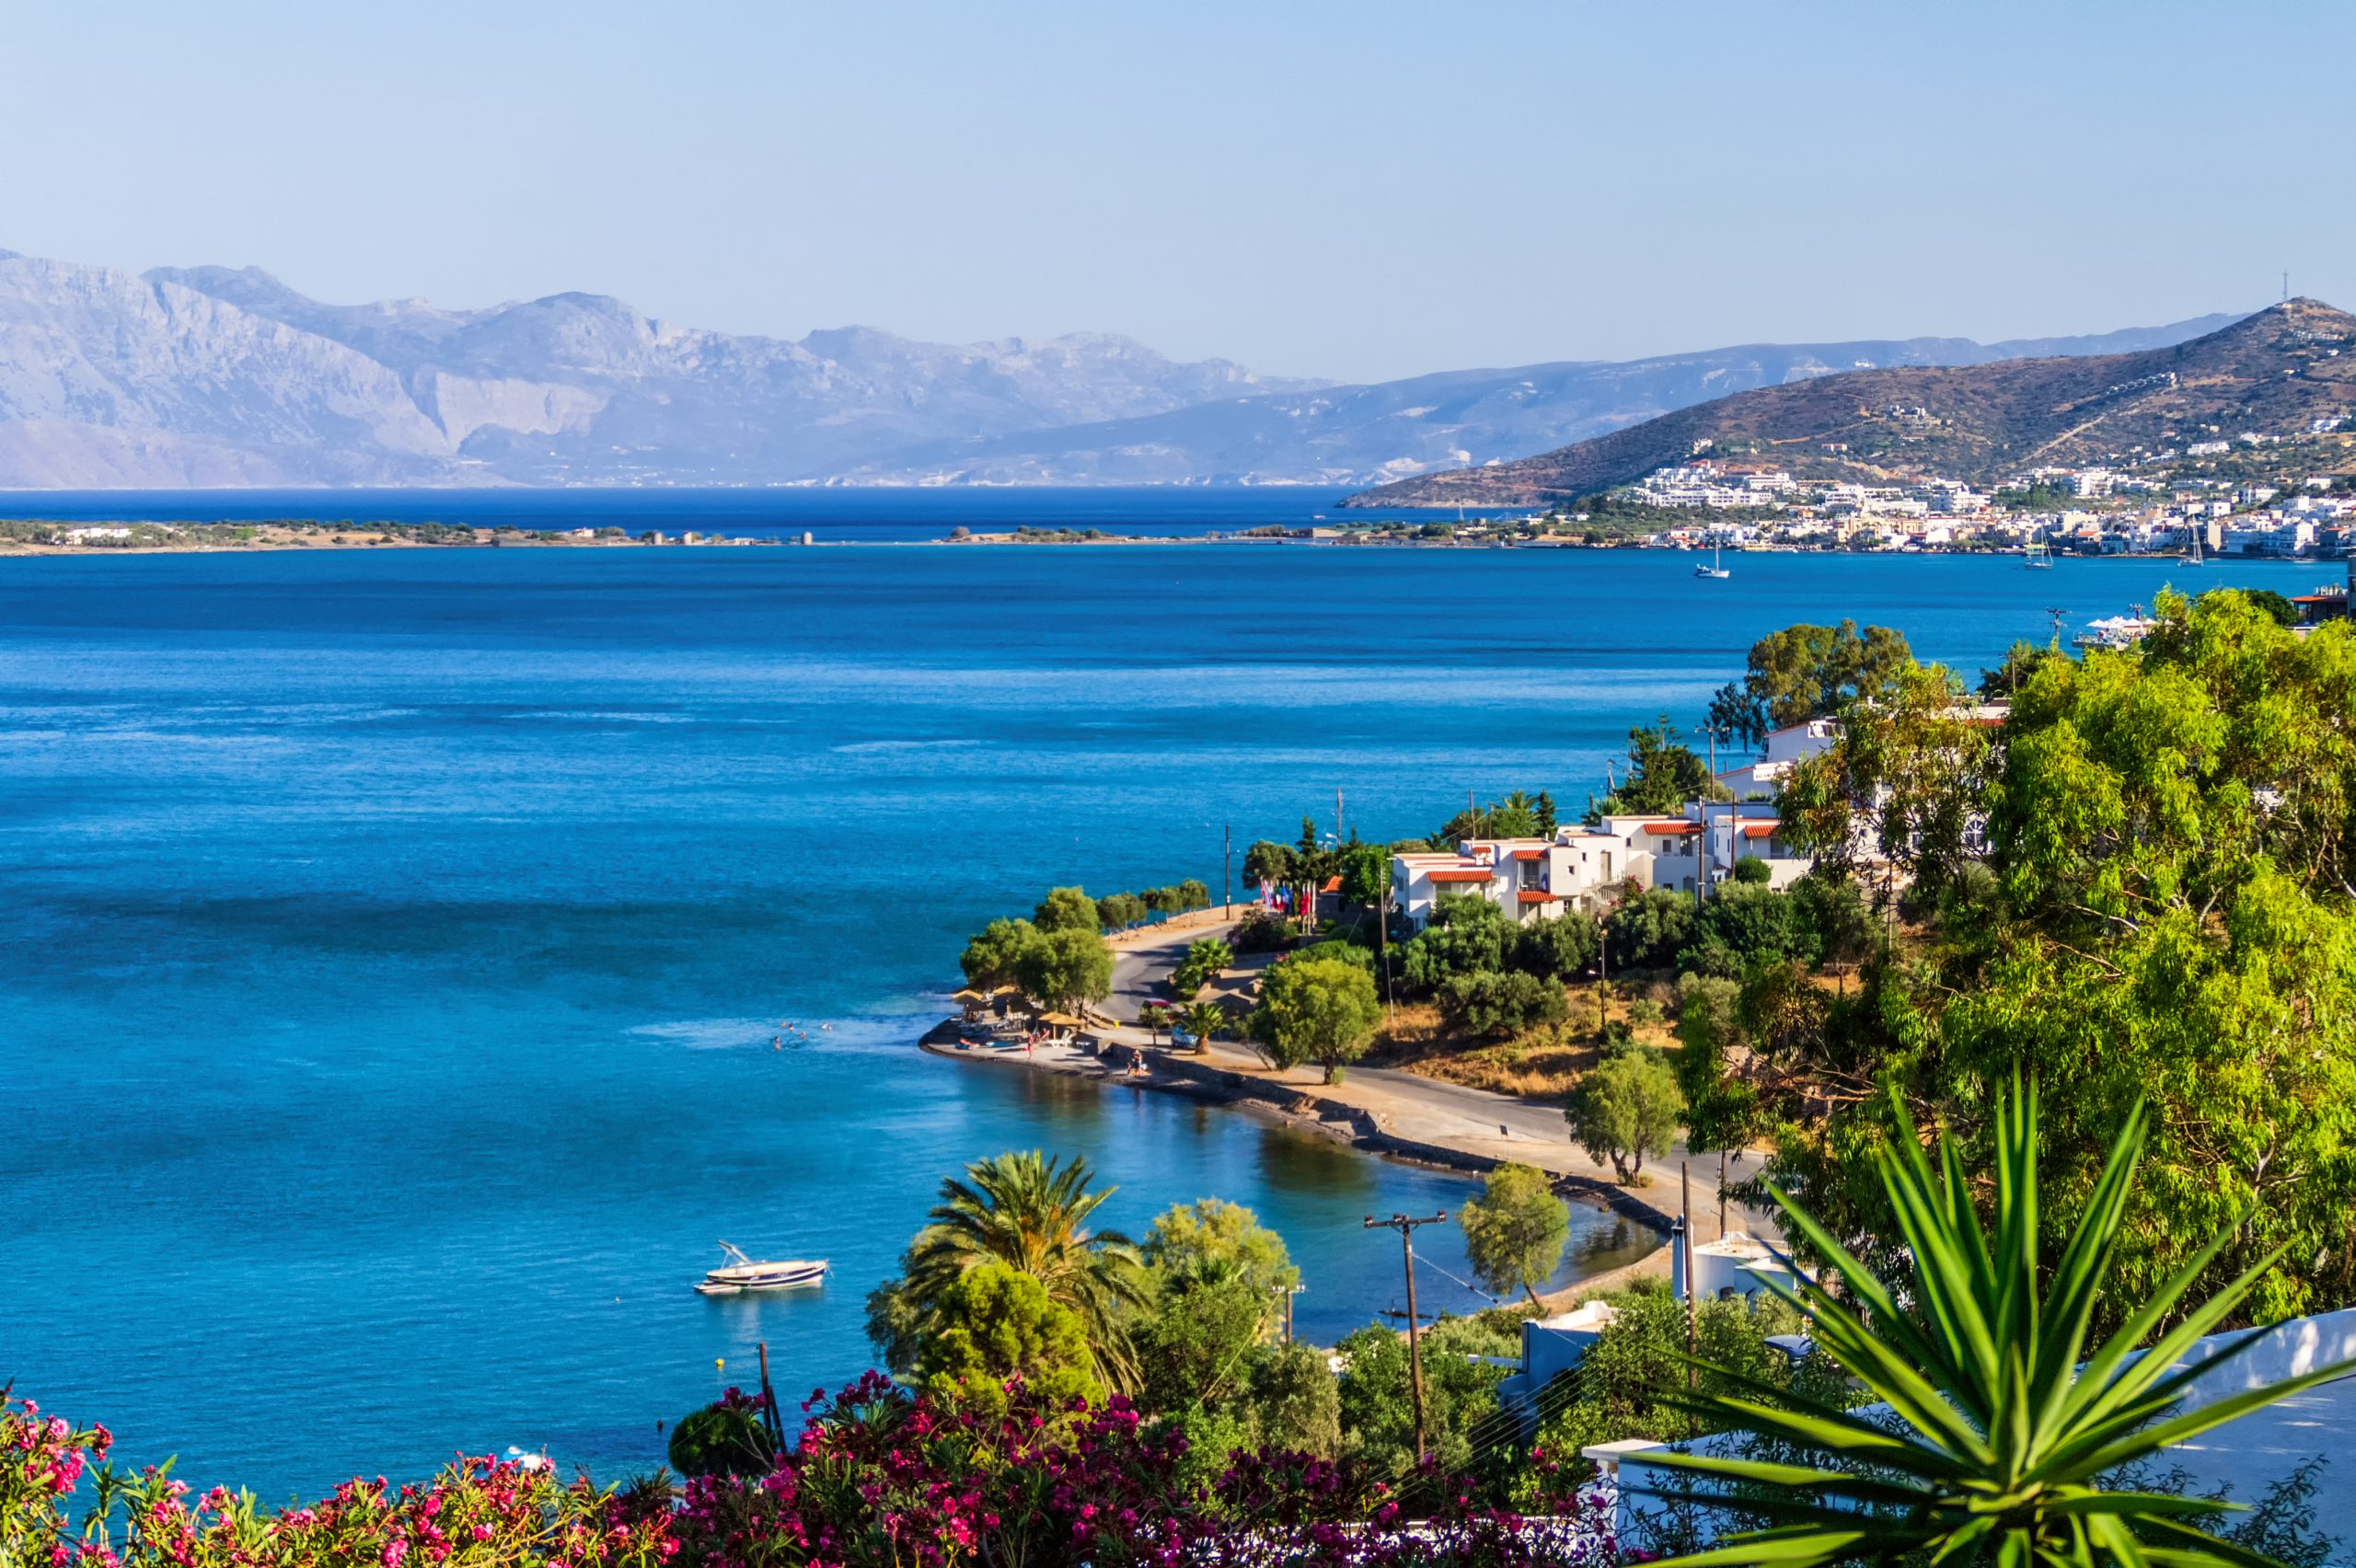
(108, 379)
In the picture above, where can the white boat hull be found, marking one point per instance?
(794, 1275)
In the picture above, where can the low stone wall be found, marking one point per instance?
(1356, 1125)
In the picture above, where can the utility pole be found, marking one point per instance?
(1602, 979)
(1405, 1227)
(1722, 1194)
(1692, 1310)
(1290, 1291)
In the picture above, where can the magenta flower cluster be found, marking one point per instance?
(876, 1478)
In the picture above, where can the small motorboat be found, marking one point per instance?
(741, 1274)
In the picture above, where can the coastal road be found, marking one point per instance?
(1450, 1115)
(1142, 959)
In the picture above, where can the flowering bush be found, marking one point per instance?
(876, 1479)
(881, 1480)
(477, 1513)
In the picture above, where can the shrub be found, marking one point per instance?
(1500, 1004)
(995, 1323)
(1558, 948)
(1262, 930)
(1753, 871)
(725, 1438)
(1466, 935)
(1646, 931)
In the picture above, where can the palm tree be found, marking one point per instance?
(1203, 1020)
(2001, 1427)
(1031, 1213)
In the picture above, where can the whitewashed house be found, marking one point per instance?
(1793, 743)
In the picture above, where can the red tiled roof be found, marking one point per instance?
(1529, 854)
(1461, 874)
(1533, 895)
(1673, 827)
(1759, 829)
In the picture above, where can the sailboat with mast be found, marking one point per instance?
(1714, 569)
(2191, 556)
(2036, 556)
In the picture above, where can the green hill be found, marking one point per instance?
(2272, 373)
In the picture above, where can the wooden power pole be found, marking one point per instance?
(1405, 1227)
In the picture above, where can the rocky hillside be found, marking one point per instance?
(2272, 372)
(208, 376)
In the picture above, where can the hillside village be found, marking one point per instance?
(2280, 494)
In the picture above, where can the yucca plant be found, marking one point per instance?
(2000, 1428)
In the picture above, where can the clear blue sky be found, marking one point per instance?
(1351, 189)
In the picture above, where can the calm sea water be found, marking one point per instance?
(391, 942)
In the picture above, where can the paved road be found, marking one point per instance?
(1144, 960)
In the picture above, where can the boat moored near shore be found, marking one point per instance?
(741, 1273)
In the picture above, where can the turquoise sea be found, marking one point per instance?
(390, 941)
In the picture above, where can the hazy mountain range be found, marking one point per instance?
(210, 376)
(2277, 373)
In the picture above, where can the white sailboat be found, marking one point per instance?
(2035, 556)
(741, 1274)
(1714, 569)
(2191, 557)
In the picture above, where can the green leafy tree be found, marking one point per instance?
(2152, 853)
(1743, 920)
(1648, 930)
(1665, 774)
(1558, 948)
(1908, 782)
(1066, 968)
(994, 956)
(1121, 910)
(1753, 871)
(1516, 1231)
(1834, 909)
(1321, 1011)
(1722, 1108)
(1465, 935)
(1193, 894)
(2007, 1416)
(1219, 1277)
(1066, 909)
(994, 1323)
(1366, 874)
(1270, 863)
(1627, 1107)
(1031, 1214)
(2022, 662)
(1500, 1003)
(1460, 1393)
(1808, 671)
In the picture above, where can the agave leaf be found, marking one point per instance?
(1795, 1548)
